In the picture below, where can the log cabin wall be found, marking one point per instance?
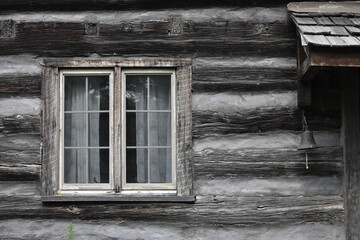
(250, 179)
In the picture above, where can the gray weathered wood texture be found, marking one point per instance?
(240, 109)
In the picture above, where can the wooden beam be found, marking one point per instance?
(335, 57)
(351, 133)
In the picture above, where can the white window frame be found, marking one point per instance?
(82, 186)
(149, 186)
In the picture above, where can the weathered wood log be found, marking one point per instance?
(25, 85)
(150, 38)
(20, 124)
(243, 79)
(267, 163)
(82, 5)
(244, 74)
(211, 123)
(15, 171)
(220, 210)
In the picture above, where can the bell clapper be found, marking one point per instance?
(306, 161)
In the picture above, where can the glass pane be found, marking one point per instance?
(160, 165)
(136, 129)
(98, 129)
(75, 129)
(160, 92)
(98, 93)
(160, 129)
(75, 166)
(136, 165)
(74, 93)
(98, 166)
(136, 92)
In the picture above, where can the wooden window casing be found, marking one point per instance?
(53, 190)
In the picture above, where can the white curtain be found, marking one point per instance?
(75, 131)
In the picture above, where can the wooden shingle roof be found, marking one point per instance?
(333, 25)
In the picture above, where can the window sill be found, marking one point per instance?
(117, 198)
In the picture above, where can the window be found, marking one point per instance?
(149, 129)
(85, 140)
(117, 129)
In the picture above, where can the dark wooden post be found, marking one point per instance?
(351, 133)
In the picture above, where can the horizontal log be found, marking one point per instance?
(20, 124)
(244, 74)
(226, 81)
(219, 210)
(268, 163)
(151, 37)
(22, 86)
(81, 5)
(15, 171)
(211, 123)
(192, 29)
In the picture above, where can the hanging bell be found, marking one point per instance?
(307, 140)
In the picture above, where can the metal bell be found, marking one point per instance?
(307, 140)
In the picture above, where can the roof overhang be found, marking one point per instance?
(328, 35)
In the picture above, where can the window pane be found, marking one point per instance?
(160, 165)
(136, 129)
(98, 92)
(75, 129)
(98, 166)
(137, 165)
(98, 129)
(75, 166)
(74, 93)
(160, 129)
(136, 92)
(160, 92)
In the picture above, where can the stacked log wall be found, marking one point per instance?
(250, 179)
